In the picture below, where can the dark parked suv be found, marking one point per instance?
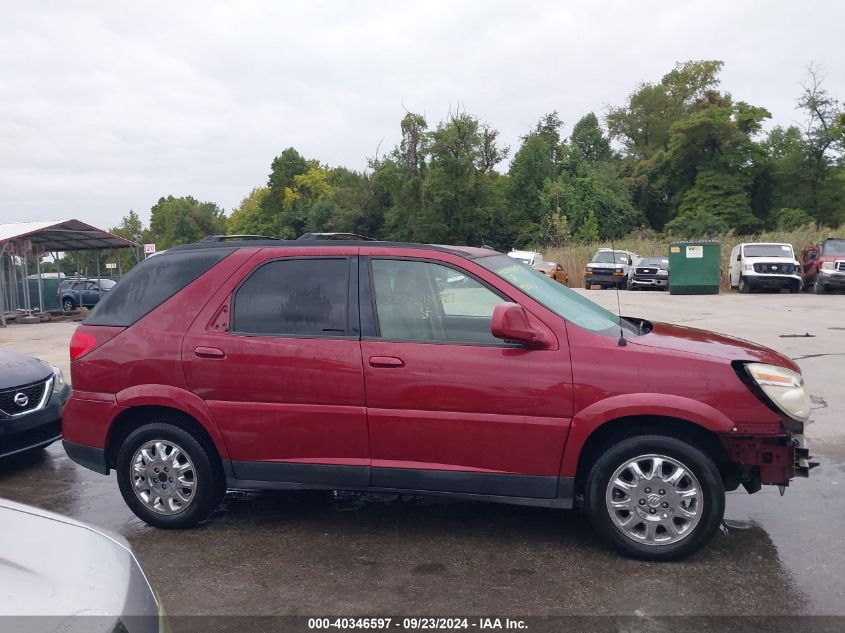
(78, 292)
(429, 369)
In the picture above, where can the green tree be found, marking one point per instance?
(250, 216)
(589, 138)
(131, 228)
(184, 220)
(459, 191)
(823, 141)
(714, 161)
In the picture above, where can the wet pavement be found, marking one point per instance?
(306, 553)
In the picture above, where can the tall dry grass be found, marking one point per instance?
(574, 257)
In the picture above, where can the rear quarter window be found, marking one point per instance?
(151, 283)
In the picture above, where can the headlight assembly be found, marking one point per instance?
(784, 388)
(58, 380)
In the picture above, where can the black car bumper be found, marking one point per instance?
(33, 430)
(649, 281)
(90, 457)
(604, 280)
(834, 279)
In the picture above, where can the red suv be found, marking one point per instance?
(425, 369)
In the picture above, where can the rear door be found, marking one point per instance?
(450, 407)
(276, 355)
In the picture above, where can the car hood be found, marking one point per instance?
(19, 369)
(705, 343)
(830, 258)
(51, 565)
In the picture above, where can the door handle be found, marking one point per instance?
(209, 352)
(386, 361)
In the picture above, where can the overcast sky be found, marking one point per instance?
(108, 106)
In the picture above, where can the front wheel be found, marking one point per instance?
(68, 305)
(167, 477)
(744, 287)
(655, 497)
(818, 287)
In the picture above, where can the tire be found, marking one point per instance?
(588, 285)
(818, 287)
(743, 286)
(68, 305)
(795, 287)
(690, 532)
(189, 505)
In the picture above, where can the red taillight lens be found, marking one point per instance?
(87, 338)
(80, 344)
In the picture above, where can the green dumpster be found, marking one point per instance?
(694, 268)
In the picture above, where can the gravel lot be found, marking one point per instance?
(357, 554)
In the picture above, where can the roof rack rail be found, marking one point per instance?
(334, 236)
(230, 238)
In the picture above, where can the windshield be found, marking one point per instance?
(555, 296)
(768, 250)
(660, 262)
(833, 248)
(609, 257)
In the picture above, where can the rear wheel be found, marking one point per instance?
(744, 287)
(167, 477)
(655, 497)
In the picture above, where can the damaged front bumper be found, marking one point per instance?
(768, 460)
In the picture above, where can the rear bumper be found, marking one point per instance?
(90, 457)
(34, 430)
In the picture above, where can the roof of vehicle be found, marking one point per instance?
(765, 244)
(470, 252)
(618, 250)
(522, 253)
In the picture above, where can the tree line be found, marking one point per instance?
(680, 157)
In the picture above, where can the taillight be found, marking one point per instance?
(80, 344)
(87, 338)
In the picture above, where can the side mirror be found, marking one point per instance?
(511, 323)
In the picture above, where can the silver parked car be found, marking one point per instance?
(71, 575)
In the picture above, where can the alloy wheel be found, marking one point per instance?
(654, 500)
(163, 477)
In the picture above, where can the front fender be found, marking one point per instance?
(175, 398)
(637, 404)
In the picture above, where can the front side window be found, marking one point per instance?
(422, 301)
(294, 297)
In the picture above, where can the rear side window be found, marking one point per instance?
(150, 284)
(294, 297)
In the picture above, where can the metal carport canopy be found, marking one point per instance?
(62, 235)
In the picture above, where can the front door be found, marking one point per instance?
(277, 358)
(450, 407)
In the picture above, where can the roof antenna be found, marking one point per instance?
(622, 341)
